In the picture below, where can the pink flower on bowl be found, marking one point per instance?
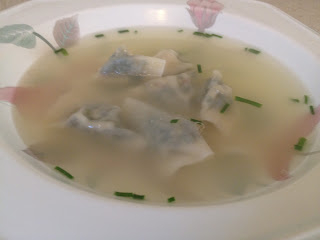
(204, 12)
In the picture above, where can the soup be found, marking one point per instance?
(160, 114)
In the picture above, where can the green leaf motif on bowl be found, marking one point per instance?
(18, 34)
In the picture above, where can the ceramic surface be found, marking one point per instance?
(44, 205)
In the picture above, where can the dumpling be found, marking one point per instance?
(178, 144)
(103, 119)
(95, 117)
(173, 64)
(216, 95)
(173, 92)
(122, 63)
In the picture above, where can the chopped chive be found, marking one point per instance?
(195, 120)
(306, 99)
(129, 195)
(207, 35)
(312, 109)
(171, 199)
(180, 30)
(137, 196)
(62, 50)
(64, 172)
(174, 120)
(252, 50)
(302, 141)
(199, 68)
(123, 31)
(135, 31)
(225, 107)
(295, 100)
(123, 194)
(99, 35)
(253, 103)
(299, 146)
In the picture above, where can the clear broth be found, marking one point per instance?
(106, 169)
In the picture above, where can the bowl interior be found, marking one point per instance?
(289, 42)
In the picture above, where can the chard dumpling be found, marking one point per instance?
(173, 64)
(178, 144)
(173, 92)
(216, 96)
(122, 63)
(103, 119)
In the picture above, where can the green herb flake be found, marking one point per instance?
(207, 35)
(63, 172)
(123, 194)
(171, 199)
(137, 196)
(299, 146)
(244, 100)
(123, 31)
(135, 31)
(225, 107)
(199, 68)
(180, 30)
(302, 141)
(174, 121)
(196, 121)
(99, 35)
(62, 50)
(312, 109)
(252, 50)
(295, 100)
(306, 99)
(129, 195)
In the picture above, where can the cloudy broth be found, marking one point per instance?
(235, 169)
